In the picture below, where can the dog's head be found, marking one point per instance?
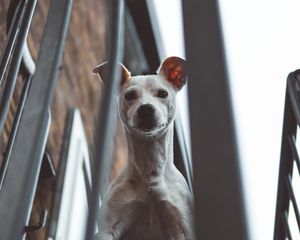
(147, 103)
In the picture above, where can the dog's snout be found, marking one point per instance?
(146, 110)
(146, 116)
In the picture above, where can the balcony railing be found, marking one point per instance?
(26, 145)
(289, 160)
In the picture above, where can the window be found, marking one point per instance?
(70, 213)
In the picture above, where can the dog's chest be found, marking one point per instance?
(150, 223)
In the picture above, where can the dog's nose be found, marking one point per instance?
(146, 110)
(146, 116)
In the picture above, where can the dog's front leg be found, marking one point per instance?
(112, 228)
(117, 221)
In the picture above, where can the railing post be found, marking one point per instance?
(219, 205)
(107, 116)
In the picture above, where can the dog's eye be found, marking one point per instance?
(130, 95)
(162, 93)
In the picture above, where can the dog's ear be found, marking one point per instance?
(102, 71)
(173, 69)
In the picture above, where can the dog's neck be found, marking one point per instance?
(150, 158)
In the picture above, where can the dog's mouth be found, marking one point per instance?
(149, 130)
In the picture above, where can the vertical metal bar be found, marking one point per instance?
(107, 117)
(61, 176)
(20, 183)
(286, 229)
(13, 33)
(219, 206)
(142, 19)
(286, 160)
(288, 182)
(181, 156)
(14, 129)
(15, 62)
(293, 86)
(292, 142)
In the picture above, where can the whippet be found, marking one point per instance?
(150, 199)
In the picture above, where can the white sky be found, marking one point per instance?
(262, 44)
(262, 47)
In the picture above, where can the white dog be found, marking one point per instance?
(150, 199)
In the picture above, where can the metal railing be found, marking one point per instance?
(16, 51)
(15, 45)
(288, 160)
(26, 144)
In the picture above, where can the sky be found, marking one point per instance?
(262, 46)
